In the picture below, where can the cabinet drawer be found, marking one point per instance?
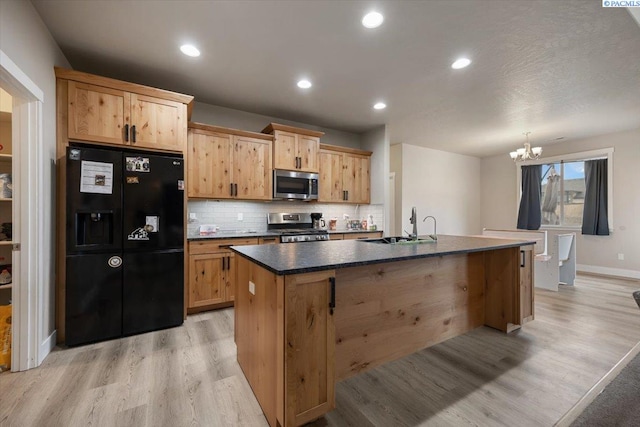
(219, 245)
(268, 240)
(362, 235)
(335, 236)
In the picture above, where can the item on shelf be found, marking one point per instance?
(5, 185)
(5, 337)
(208, 229)
(5, 277)
(6, 229)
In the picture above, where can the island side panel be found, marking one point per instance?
(387, 311)
(258, 334)
(502, 293)
(309, 347)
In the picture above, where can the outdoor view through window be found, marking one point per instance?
(563, 189)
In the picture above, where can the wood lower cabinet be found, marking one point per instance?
(527, 279)
(212, 273)
(228, 164)
(294, 148)
(344, 175)
(114, 116)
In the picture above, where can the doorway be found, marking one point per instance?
(25, 246)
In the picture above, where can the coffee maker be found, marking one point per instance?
(318, 222)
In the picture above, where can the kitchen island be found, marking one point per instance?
(311, 314)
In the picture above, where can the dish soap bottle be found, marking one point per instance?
(5, 277)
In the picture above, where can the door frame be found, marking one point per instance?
(31, 342)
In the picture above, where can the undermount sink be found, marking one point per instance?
(401, 240)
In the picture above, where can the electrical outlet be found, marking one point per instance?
(240, 216)
(252, 288)
(620, 257)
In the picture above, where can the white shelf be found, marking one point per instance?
(6, 286)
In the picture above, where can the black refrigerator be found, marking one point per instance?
(124, 257)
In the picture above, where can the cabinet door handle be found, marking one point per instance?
(231, 189)
(126, 132)
(522, 259)
(332, 297)
(235, 189)
(223, 259)
(133, 134)
(347, 195)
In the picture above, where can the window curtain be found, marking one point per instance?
(595, 220)
(529, 214)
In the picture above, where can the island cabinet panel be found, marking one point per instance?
(502, 298)
(259, 335)
(527, 280)
(310, 346)
(387, 311)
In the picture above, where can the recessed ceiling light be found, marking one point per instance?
(372, 20)
(190, 50)
(380, 106)
(304, 84)
(460, 63)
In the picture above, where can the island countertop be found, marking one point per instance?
(308, 257)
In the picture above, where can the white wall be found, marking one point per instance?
(236, 119)
(597, 254)
(438, 183)
(377, 141)
(27, 42)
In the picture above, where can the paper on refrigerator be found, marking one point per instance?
(96, 177)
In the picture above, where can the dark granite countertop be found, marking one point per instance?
(316, 256)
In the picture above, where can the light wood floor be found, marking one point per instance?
(189, 376)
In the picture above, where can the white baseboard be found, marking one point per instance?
(619, 272)
(46, 347)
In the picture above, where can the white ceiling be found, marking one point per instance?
(556, 68)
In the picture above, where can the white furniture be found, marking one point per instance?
(555, 262)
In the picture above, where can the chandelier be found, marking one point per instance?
(526, 153)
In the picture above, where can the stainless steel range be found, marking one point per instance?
(295, 227)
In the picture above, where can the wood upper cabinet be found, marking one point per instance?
(108, 111)
(157, 123)
(97, 113)
(294, 148)
(228, 164)
(331, 170)
(344, 175)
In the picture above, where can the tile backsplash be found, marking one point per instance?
(225, 214)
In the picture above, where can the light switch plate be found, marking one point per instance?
(252, 288)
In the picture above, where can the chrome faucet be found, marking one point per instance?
(434, 236)
(414, 221)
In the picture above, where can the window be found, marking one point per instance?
(563, 189)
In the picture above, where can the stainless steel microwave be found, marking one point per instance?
(295, 185)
